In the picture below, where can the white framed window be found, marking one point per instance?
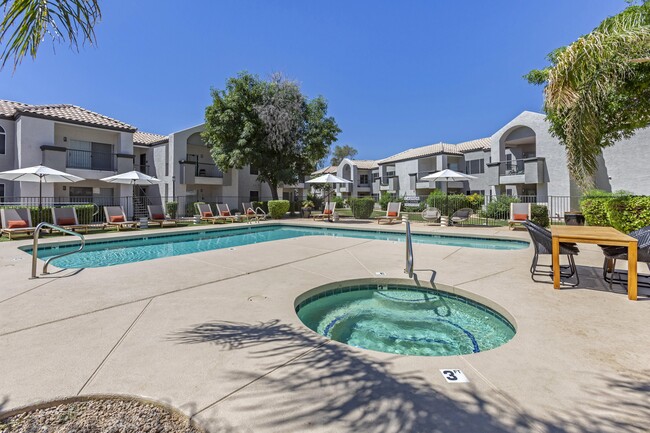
(3, 141)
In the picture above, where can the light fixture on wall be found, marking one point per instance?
(64, 187)
(65, 138)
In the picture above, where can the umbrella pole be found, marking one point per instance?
(40, 199)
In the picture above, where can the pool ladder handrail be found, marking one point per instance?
(409, 251)
(37, 232)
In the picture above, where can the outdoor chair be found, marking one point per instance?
(431, 215)
(327, 212)
(543, 244)
(519, 212)
(392, 213)
(157, 216)
(16, 221)
(224, 212)
(205, 211)
(115, 217)
(613, 253)
(251, 212)
(66, 217)
(461, 215)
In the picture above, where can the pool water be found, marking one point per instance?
(136, 249)
(405, 320)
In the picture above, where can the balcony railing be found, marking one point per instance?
(512, 168)
(89, 160)
(208, 170)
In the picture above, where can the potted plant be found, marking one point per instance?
(307, 207)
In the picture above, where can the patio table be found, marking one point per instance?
(600, 236)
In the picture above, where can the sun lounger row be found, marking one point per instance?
(225, 215)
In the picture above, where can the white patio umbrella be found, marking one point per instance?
(40, 174)
(133, 178)
(328, 179)
(447, 176)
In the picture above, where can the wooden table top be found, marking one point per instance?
(591, 233)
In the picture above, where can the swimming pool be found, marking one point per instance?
(140, 248)
(405, 320)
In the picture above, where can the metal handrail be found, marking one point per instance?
(409, 251)
(35, 246)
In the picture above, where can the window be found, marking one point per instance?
(475, 166)
(254, 170)
(2, 141)
(2, 192)
(254, 196)
(363, 179)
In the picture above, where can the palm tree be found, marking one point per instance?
(26, 23)
(598, 88)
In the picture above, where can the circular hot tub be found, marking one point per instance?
(403, 319)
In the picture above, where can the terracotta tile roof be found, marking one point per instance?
(473, 145)
(420, 152)
(63, 112)
(365, 164)
(148, 138)
(325, 170)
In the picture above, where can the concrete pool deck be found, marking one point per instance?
(215, 334)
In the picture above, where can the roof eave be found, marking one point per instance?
(74, 122)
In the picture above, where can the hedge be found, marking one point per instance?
(539, 215)
(448, 204)
(172, 209)
(499, 208)
(278, 208)
(628, 213)
(362, 207)
(594, 210)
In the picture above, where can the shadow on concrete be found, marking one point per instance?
(328, 383)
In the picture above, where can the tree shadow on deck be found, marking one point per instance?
(326, 383)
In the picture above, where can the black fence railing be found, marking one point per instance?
(89, 160)
(511, 168)
(146, 169)
(207, 170)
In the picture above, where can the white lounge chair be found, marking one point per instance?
(254, 213)
(327, 212)
(392, 213)
(157, 216)
(206, 213)
(224, 212)
(66, 217)
(16, 222)
(519, 212)
(115, 217)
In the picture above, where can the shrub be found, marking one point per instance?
(448, 204)
(278, 208)
(384, 199)
(172, 208)
(340, 203)
(593, 206)
(316, 200)
(84, 213)
(362, 207)
(628, 213)
(539, 215)
(262, 205)
(499, 208)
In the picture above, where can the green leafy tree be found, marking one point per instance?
(597, 89)
(26, 24)
(342, 152)
(270, 125)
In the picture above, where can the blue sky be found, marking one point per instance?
(396, 74)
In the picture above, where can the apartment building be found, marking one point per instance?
(66, 138)
(520, 159)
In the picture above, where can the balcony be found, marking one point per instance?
(88, 160)
(521, 171)
(389, 184)
(146, 169)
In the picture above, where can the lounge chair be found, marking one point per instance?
(327, 212)
(251, 213)
(115, 217)
(612, 254)
(392, 213)
(543, 243)
(461, 215)
(224, 212)
(157, 216)
(16, 222)
(431, 215)
(519, 212)
(66, 217)
(205, 211)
